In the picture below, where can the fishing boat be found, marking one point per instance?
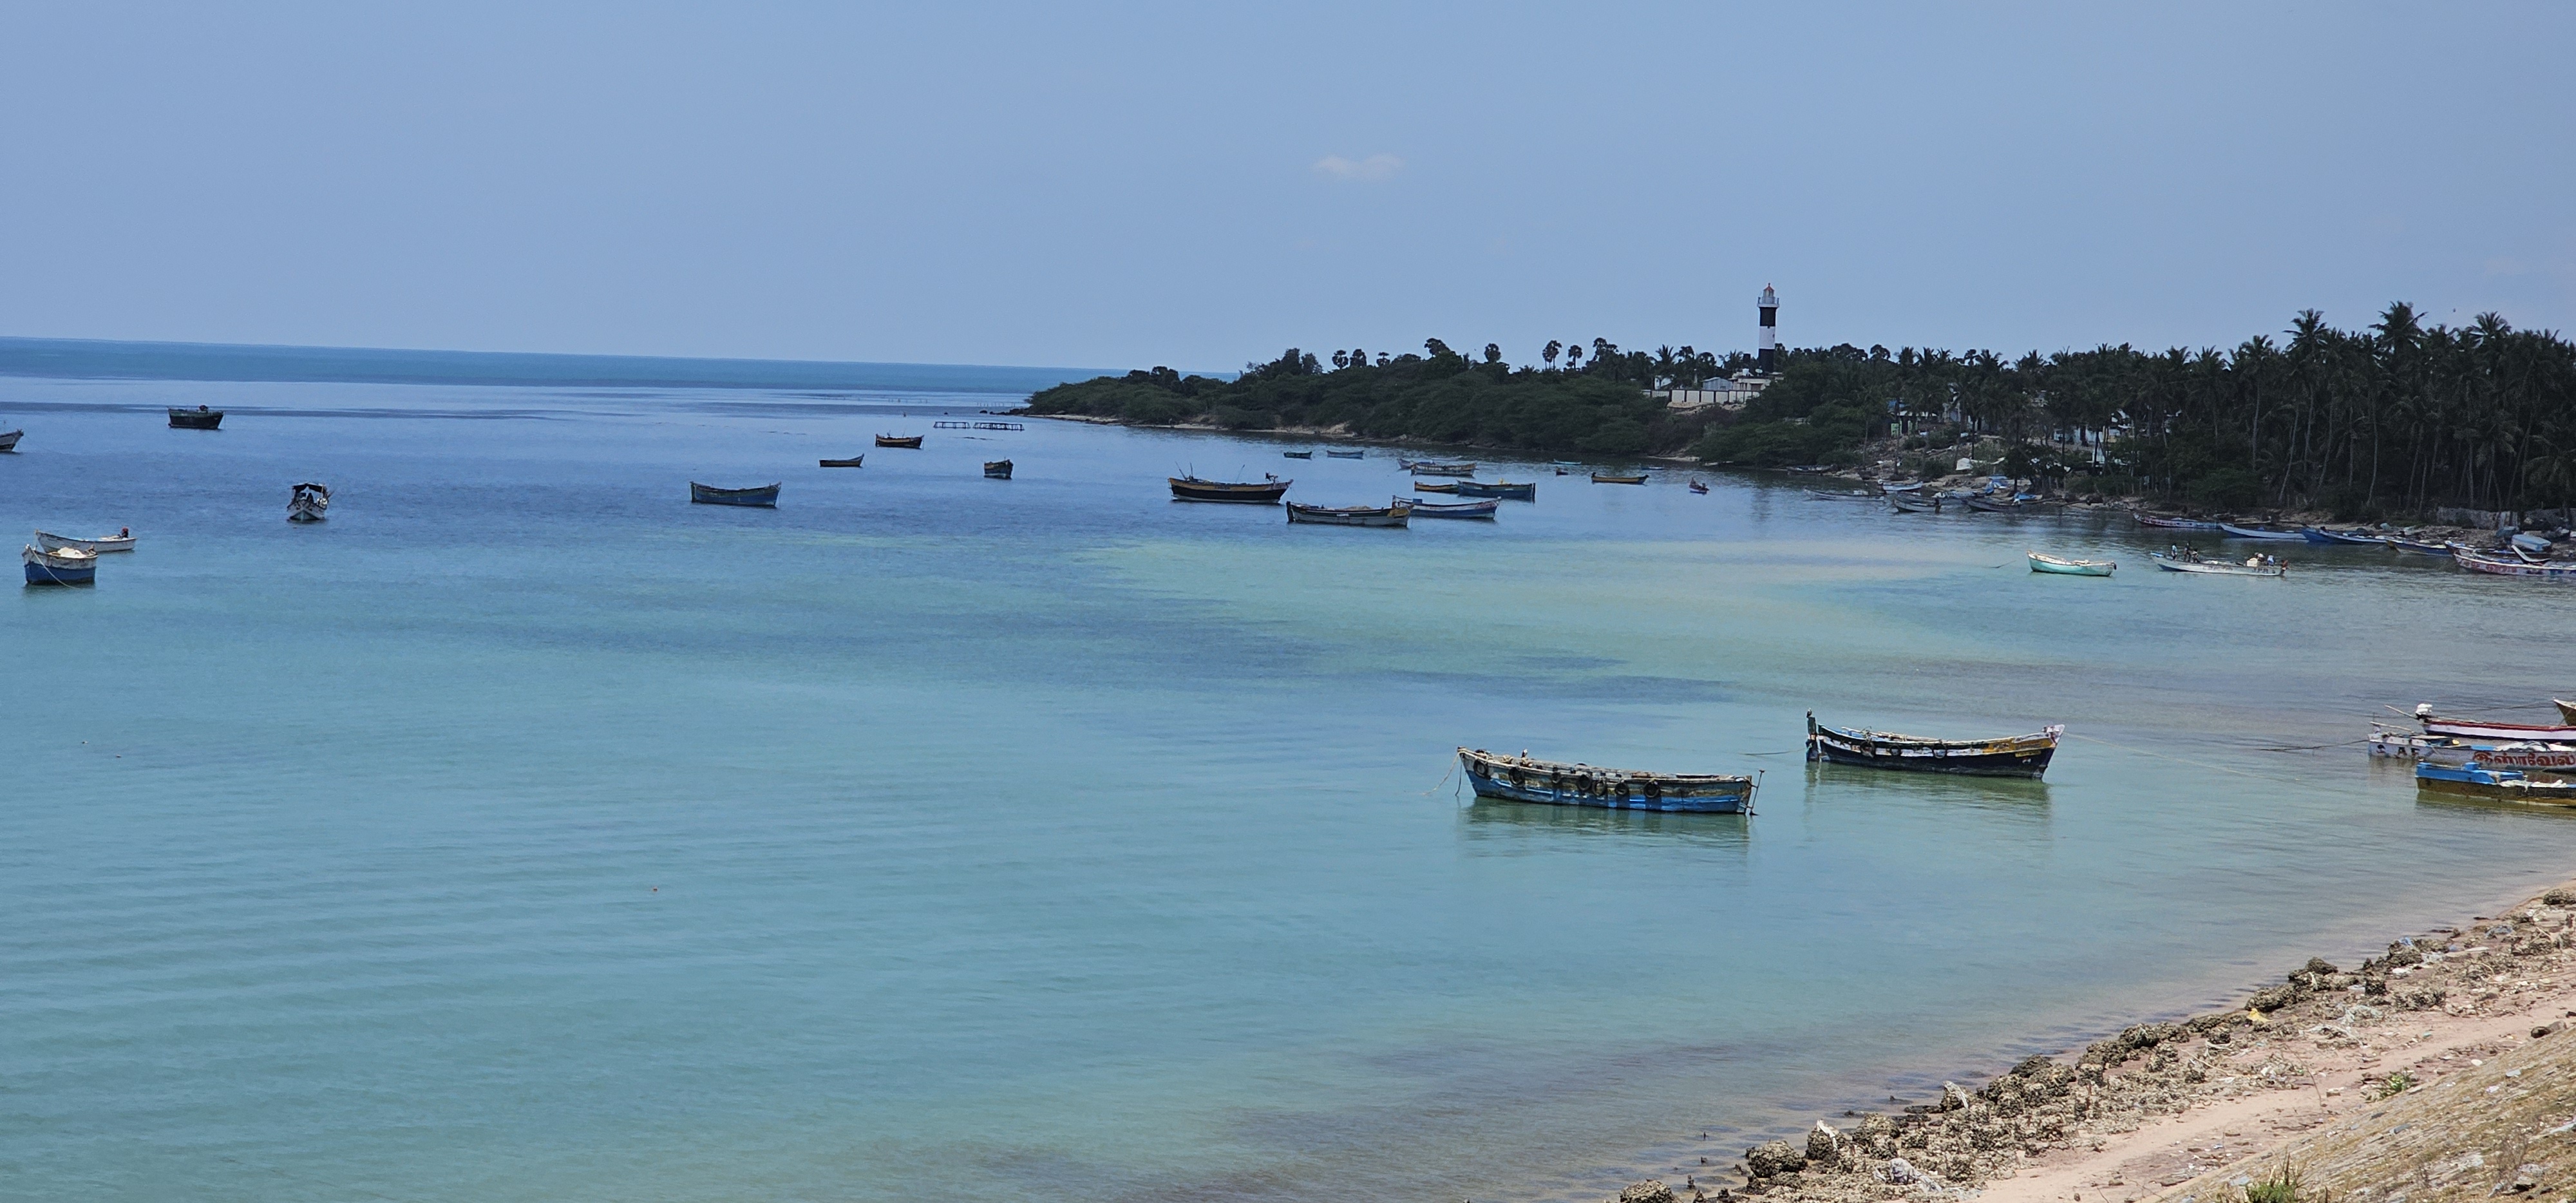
(1913, 503)
(997, 469)
(9, 439)
(2015, 505)
(1505, 489)
(1266, 492)
(2319, 534)
(1344, 454)
(1697, 487)
(851, 462)
(1618, 478)
(899, 440)
(2012, 756)
(1459, 509)
(2566, 709)
(2479, 780)
(1352, 515)
(1428, 468)
(2555, 759)
(2477, 561)
(122, 540)
(1842, 495)
(764, 495)
(2457, 728)
(1435, 486)
(1296, 455)
(308, 502)
(200, 418)
(2234, 531)
(62, 566)
(2535, 544)
(1557, 783)
(2184, 560)
(2419, 548)
(1902, 486)
(2170, 523)
(2063, 567)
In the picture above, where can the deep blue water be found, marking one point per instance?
(524, 832)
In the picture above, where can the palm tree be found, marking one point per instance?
(1551, 351)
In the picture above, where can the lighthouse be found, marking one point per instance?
(1768, 362)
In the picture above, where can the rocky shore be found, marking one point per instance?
(2442, 1069)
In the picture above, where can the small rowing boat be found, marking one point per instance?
(65, 566)
(1505, 489)
(2063, 567)
(2183, 560)
(2478, 780)
(2319, 534)
(1352, 515)
(1435, 486)
(1296, 455)
(763, 496)
(308, 503)
(851, 462)
(1264, 492)
(1435, 468)
(122, 540)
(1618, 478)
(2234, 531)
(2015, 505)
(2169, 523)
(200, 418)
(2418, 548)
(899, 440)
(1914, 503)
(1697, 487)
(997, 469)
(1558, 783)
(1459, 509)
(1344, 454)
(2011, 756)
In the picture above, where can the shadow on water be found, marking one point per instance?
(1493, 819)
(2010, 797)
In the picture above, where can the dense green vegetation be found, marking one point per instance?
(2396, 418)
(1442, 396)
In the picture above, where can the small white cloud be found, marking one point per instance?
(1374, 167)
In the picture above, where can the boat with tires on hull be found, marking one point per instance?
(66, 566)
(2010, 756)
(1265, 492)
(1523, 778)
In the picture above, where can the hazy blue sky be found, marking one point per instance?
(1204, 184)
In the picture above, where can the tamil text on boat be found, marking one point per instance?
(309, 502)
(851, 462)
(1508, 490)
(122, 540)
(2066, 567)
(200, 418)
(1618, 478)
(2012, 756)
(899, 440)
(2495, 565)
(2552, 757)
(1460, 509)
(763, 495)
(1191, 488)
(2478, 780)
(997, 469)
(1351, 515)
(65, 566)
(1523, 779)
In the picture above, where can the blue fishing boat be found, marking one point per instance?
(1557, 783)
(1344, 454)
(2011, 756)
(1505, 489)
(764, 495)
(2478, 780)
(61, 566)
(2319, 534)
(1461, 509)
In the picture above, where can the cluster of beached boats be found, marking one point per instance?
(2519, 762)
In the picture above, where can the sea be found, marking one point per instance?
(526, 832)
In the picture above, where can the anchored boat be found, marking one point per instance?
(2477, 561)
(2234, 531)
(1296, 455)
(2012, 756)
(308, 502)
(1424, 467)
(9, 439)
(997, 469)
(1524, 779)
(765, 496)
(851, 462)
(2160, 520)
(2185, 560)
(1618, 478)
(2478, 780)
(899, 440)
(1435, 486)
(200, 418)
(1191, 488)
(1461, 509)
(1505, 489)
(1352, 515)
(1344, 454)
(122, 540)
(2064, 567)
(66, 566)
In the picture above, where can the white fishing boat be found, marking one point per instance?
(308, 502)
(69, 566)
(2188, 562)
(122, 540)
(2066, 567)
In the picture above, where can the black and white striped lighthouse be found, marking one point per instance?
(1768, 361)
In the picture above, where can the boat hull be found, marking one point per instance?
(65, 567)
(912, 441)
(9, 439)
(1296, 455)
(2062, 567)
(851, 462)
(1344, 454)
(1192, 489)
(1351, 515)
(2502, 732)
(196, 419)
(999, 469)
(1600, 479)
(2205, 568)
(48, 542)
(2477, 781)
(2234, 531)
(1554, 783)
(2497, 566)
(2014, 756)
(2158, 520)
(1503, 489)
(1435, 486)
(762, 497)
(1463, 509)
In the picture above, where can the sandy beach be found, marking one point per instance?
(2443, 1068)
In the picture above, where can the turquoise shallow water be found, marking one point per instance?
(524, 832)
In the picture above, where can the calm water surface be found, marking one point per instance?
(526, 833)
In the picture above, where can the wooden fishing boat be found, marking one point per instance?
(2063, 567)
(997, 469)
(2457, 728)
(2234, 531)
(2553, 759)
(1296, 455)
(2160, 520)
(2015, 505)
(1902, 486)
(2477, 561)
(200, 418)
(1430, 468)
(1460, 509)
(2566, 709)
(2187, 561)
(123, 540)
(308, 502)
(1352, 515)
(851, 462)
(764, 495)
(1267, 492)
(62, 566)
(1697, 487)
(2319, 534)
(2012, 756)
(1435, 486)
(1505, 489)
(2478, 780)
(9, 439)
(1910, 503)
(1843, 495)
(1344, 454)
(1618, 478)
(899, 440)
(1558, 783)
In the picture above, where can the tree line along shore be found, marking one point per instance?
(2395, 419)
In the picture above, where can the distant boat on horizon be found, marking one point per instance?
(762, 496)
(200, 418)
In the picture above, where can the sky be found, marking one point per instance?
(1202, 185)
